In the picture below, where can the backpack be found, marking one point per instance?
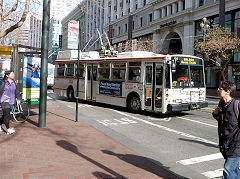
(236, 109)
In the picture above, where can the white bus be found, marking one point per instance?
(50, 78)
(136, 80)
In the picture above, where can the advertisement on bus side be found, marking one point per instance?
(110, 88)
(31, 80)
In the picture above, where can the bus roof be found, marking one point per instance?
(69, 55)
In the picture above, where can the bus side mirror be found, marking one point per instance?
(173, 67)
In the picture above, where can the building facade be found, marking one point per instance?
(30, 33)
(77, 14)
(35, 35)
(58, 10)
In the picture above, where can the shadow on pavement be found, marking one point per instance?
(72, 148)
(199, 142)
(32, 122)
(60, 116)
(102, 175)
(146, 164)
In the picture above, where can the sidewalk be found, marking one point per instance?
(212, 93)
(66, 149)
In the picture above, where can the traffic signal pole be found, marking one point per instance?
(44, 64)
(78, 64)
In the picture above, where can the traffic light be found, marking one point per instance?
(60, 41)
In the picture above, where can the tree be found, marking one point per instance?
(13, 14)
(218, 47)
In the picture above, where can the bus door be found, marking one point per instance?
(91, 82)
(153, 86)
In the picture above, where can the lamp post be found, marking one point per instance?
(204, 26)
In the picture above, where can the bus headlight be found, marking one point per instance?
(178, 101)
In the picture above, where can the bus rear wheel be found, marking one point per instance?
(134, 104)
(70, 94)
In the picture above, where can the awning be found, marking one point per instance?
(6, 50)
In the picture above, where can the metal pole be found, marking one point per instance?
(78, 64)
(222, 13)
(44, 64)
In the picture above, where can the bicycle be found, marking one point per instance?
(19, 113)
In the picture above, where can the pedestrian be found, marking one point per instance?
(228, 129)
(8, 95)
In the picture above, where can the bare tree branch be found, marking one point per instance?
(19, 23)
(14, 8)
(1, 12)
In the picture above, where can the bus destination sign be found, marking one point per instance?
(187, 60)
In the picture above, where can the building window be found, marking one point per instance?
(126, 28)
(144, 2)
(133, 25)
(119, 30)
(150, 17)
(183, 4)
(201, 3)
(141, 21)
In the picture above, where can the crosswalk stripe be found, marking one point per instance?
(200, 159)
(214, 174)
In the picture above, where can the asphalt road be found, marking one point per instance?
(186, 143)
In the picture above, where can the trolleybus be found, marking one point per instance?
(137, 80)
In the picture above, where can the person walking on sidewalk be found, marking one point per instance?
(228, 129)
(8, 95)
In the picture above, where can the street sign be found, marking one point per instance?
(73, 30)
(5, 50)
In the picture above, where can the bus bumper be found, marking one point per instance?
(186, 107)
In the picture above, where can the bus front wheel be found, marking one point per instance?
(70, 94)
(134, 104)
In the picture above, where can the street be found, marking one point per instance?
(186, 143)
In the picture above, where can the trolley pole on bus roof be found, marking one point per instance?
(78, 65)
(44, 63)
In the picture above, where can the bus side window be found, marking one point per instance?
(94, 73)
(149, 75)
(81, 71)
(134, 71)
(60, 70)
(159, 75)
(70, 70)
(119, 71)
(104, 71)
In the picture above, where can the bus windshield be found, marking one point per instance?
(188, 76)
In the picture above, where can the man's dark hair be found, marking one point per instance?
(228, 85)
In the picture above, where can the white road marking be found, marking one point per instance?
(121, 122)
(128, 120)
(106, 122)
(117, 121)
(160, 119)
(81, 106)
(198, 122)
(169, 129)
(200, 159)
(214, 174)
